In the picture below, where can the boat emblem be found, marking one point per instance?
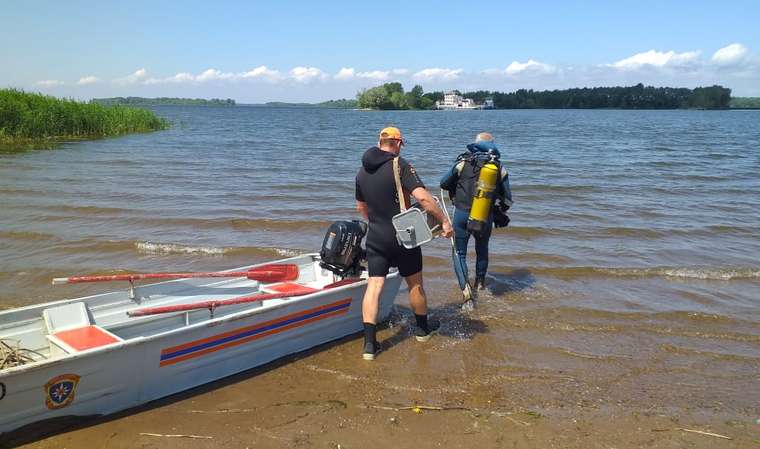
(60, 391)
(2, 391)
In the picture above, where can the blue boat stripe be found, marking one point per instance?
(254, 331)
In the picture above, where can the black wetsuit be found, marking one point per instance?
(376, 186)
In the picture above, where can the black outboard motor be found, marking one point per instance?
(342, 250)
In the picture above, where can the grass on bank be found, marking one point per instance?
(29, 118)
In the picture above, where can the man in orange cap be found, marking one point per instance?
(378, 201)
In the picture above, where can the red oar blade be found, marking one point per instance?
(274, 273)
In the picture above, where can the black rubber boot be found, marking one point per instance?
(424, 330)
(371, 348)
(480, 283)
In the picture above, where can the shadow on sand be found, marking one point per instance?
(401, 319)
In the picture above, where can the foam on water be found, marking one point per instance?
(173, 248)
(696, 272)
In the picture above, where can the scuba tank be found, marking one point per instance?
(483, 198)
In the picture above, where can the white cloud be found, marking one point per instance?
(262, 72)
(212, 75)
(88, 80)
(655, 58)
(345, 73)
(529, 67)
(48, 84)
(400, 72)
(348, 73)
(182, 77)
(135, 78)
(378, 75)
(730, 55)
(307, 74)
(436, 73)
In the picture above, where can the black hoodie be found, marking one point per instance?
(376, 186)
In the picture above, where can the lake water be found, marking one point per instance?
(633, 255)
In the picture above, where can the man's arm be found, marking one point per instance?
(361, 206)
(429, 204)
(450, 178)
(505, 186)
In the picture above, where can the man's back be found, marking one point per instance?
(376, 186)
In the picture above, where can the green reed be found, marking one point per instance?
(31, 118)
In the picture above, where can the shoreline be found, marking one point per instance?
(31, 119)
(327, 397)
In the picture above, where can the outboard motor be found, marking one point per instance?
(342, 250)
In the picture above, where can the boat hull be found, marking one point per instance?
(106, 380)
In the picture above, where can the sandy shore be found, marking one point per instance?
(461, 389)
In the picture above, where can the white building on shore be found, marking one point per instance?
(454, 101)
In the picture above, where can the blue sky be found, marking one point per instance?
(309, 51)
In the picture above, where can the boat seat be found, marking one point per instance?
(288, 287)
(82, 338)
(67, 316)
(69, 330)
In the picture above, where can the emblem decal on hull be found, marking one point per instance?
(60, 391)
(2, 391)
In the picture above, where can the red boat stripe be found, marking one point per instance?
(264, 324)
(344, 304)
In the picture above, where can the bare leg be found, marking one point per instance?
(417, 297)
(371, 299)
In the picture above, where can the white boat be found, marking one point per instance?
(454, 101)
(92, 358)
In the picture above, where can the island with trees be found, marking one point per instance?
(164, 101)
(29, 119)
(393, 96)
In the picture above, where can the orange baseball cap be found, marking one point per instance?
(391, 132)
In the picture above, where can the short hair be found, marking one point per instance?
(484, 137)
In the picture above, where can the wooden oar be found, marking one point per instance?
(264, 273)
(212, 305)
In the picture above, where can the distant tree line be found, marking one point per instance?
(343, 103)
(392, 96)
(745, 102)
(632, 97)
(141, 101)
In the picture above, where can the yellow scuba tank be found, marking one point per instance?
(483, 199)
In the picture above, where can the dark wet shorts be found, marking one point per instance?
(380, 260)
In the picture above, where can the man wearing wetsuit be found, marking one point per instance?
(461, 182)
(377, 200)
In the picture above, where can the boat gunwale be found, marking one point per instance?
(242, 314)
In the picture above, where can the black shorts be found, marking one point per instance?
(379, 260)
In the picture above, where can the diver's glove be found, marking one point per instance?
(500, 217)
